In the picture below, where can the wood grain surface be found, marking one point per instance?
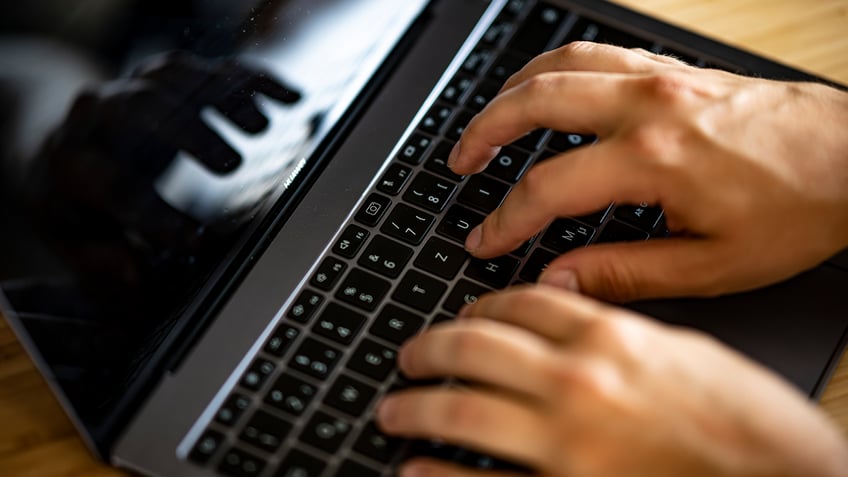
(37, 440)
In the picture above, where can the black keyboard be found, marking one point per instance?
(304, 406)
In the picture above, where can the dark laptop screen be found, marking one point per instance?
(142, 142)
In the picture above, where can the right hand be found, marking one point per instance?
(752, 173)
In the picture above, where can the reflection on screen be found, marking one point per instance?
(146, 140)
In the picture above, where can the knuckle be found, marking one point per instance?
(668, 87)
(576, 48)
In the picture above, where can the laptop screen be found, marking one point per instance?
(143, 144)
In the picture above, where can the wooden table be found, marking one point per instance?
(37, 440)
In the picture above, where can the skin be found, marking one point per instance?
(744, 183)
(568, 386)
(571, 387)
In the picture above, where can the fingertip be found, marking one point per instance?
(474, 240)
(565, 279)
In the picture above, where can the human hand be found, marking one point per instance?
(752, 174)
(571, 387)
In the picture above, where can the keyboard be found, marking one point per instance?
(304, 406)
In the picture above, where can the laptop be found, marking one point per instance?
(242, 317)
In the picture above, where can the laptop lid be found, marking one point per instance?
(151, 149)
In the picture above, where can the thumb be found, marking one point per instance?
(623, 272)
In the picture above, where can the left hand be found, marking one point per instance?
(571, 387)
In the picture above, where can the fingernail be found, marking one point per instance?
(454, 155)
(385, 410)
(475, 239)
(565, 279)
(464, 312)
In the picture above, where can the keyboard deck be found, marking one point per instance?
(304, 407)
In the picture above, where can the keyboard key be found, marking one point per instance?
(643, 217)
(373, 209)
(589, 30)
(396, 325)
(281, 339)
(498, 32)
(430, 192)
(458, 125)
(265, 431)
(514, 8)
(325, 432)
(419, 291)
(538, 29)
(339, 324)
(564, 235)
(441, 318)
(232, 409)
(328, 273)
(436, 119)
(458, 223)
(563, 142)
(485, 92)
(414, 149)
(376, 445)
(616, 231)
(257, 374)
(237, 463)
(351, 240)
(362, 289)
(206, 447)
(507, 65)
(532, 141)
(393, 181)
(441, 258)
(509, 165)
(483, 193)
(524, 248)
(300, 464)
(307, 302)
(464, 293)
(350, 396)
(315, 359)
(495, 272)
(438, 161)
(477, 61)
(373, 360)
(385, 257)
(291, 394)
(351, 468)
(595, 219)
(408, 224)
(456, 90)
(536, 264)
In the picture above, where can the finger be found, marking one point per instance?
(478, 420)
(573, 184)
(545, 311)
(622, 272)
(437, 468)
(592, 103)
(481, 351)
(586, 56)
